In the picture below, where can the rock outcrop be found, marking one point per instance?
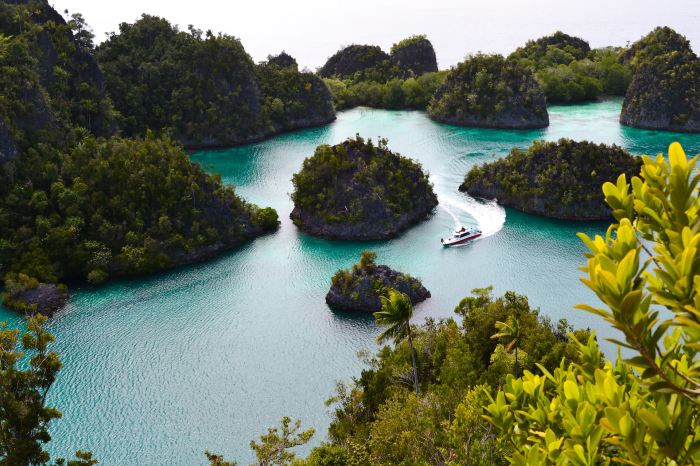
(33, 298)
(358, 191)
(283, 60)
(553, 179)
(360, 288)
(489, 91)
(414, 56)
(353, 58)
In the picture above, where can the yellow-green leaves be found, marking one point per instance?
(645, 409)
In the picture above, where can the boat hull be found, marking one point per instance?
(461, 241)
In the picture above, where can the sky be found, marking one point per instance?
(312, 30)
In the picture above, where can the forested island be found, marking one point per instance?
(203, 88)
(490, 91)
(553, 179)
(357, 190)
(361, 287)
(570, 71)
(78, 202)
(665, 89)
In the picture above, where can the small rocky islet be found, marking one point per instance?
(361, 287)
(553, 179)
(357, 190)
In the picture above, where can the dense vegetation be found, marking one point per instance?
(358, 190)
(204, 88)
(665, 89)
(554, 179)
(117, 207)
(75, 206)
(569, 71)
(490, 91)
(412, 93)
(365, 75)
(359, 63)
(360, 288)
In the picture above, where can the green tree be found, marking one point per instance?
(645, 409)
(27, 372)
(510, 331)
(395, 315)
(273, 447)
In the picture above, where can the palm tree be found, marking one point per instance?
(511, 332)
(395, 315)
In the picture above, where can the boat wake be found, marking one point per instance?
(487, 216)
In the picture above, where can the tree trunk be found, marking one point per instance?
(413, 359)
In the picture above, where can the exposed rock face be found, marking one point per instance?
(560, 180)
(351, 59)
(360, 289)
(43, 299)
(358, 191)
(665, 89)
(60, 85)
(414, 56)
(8, 146)
(664, 94)
(489, 91)
(283, 60)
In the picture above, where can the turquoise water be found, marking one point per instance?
(206, 357)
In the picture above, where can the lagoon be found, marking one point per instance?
(158, 369)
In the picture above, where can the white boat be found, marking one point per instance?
(461, 236)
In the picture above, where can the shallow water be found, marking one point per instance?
(206, 357)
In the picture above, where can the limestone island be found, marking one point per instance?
(208, 92)
(553, 179)
(356, 190)
(360, 288)
(665, 89)
(415, 56)
(489, 91)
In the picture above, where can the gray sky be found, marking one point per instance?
(312, 30)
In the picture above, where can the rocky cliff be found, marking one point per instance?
(360, 288)
(352, 59)
(665, 88)
(414, 56)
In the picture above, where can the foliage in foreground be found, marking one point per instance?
(24, 415)
(644, 409)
